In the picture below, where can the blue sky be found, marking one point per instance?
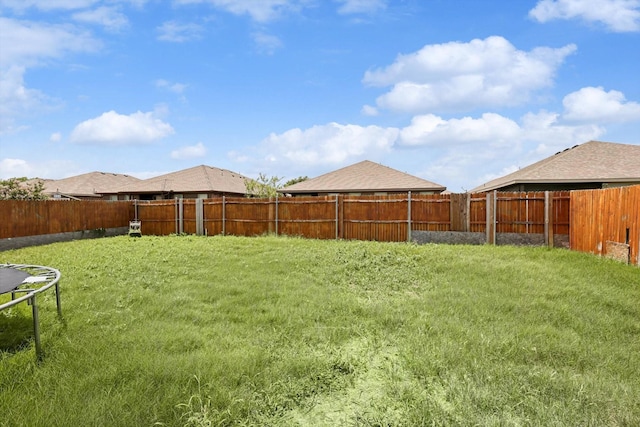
(454, 91)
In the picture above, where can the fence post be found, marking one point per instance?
(337, 218)
(199, 217)
(409, 218)
(180, 218)
(548, 219)
(224, 209)
(341, 215)
(276, 214)
(467, 207)
(491, 217)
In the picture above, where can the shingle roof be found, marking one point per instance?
(91, 184)
(593, 161)
(365, 176)
(198, 179)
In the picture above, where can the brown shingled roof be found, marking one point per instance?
(593, 161)
(198, 179)
(91, 184)
(362, 177)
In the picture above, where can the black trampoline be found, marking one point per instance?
(25, 282)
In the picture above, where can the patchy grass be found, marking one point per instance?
(195, 331)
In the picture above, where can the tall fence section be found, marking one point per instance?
(607, 222)
(603, 222)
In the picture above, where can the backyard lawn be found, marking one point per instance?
(274, 331)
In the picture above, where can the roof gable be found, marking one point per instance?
(198, 179)
(593, 161)
(365, 176)
(88, 184)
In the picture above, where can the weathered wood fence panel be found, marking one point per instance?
(249, 219)
(213, 216)
(606, 220)
(21, 218)
(313, 217)
(433, 213)
(477, 213)
(158, 217)
(520, 213)
(383, 218)
(561, 211)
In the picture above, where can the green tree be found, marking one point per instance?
(295, 180)
(263, 186)
(22, 189)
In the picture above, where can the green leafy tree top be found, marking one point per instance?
(22, 189)
(295, 180)
(263, 186)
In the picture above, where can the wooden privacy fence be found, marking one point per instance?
(382, 218)
(607, 222)
(21, 218)
(604, 222)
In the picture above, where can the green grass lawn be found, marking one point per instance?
(188, 330)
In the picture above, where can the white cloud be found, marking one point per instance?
(177, 88)
(16, 99)
(172, 31)
(433, 130)
(112, 128)
(258, 10)
(55, 137)
(109, 17)
(189, 152)
(361, 6)
(14, 168)
(462, 76)
(38, 168)
(47, 5)
(267, 43)
(616, 15)
(461, 170)
(547, 130)
(50, 5)
(28, 43)
(369, 110)
(596, 105)
(330, 144)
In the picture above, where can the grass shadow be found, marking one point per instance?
(16, 331)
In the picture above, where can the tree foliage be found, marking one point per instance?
(21, 189)
(296, 180)
(263, 186)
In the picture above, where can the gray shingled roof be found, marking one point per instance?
(198, 179)
(361, 177)
(91, 184)
(593, 161)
